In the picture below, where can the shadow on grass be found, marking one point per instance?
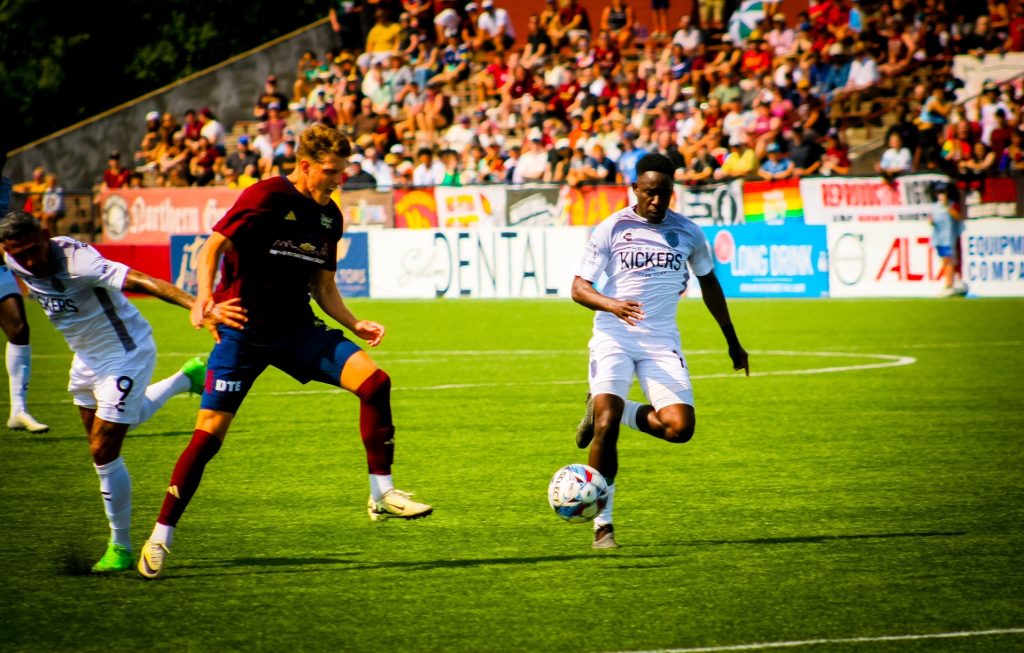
(82, 437)
(820, 539)
(290, 565)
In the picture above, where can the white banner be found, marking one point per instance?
(477, 263)
(867, 199)
(894, 259)
(993, 252)
(975, 72)
(470, 206)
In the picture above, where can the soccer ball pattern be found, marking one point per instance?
(577, 493)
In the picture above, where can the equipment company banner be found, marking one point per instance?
(474, 263)
(868, 199)
(761, 260)
(993, 258)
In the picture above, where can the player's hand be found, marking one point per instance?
(740, 361)
(199, 311)
(371, 332)
(629, 311)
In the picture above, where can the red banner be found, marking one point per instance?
(415, 208)
(152, 215)
(589, 205)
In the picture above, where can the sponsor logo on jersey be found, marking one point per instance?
(635, 259)
(326, 221)
(304, 251)
(56, 305)
(291, 216)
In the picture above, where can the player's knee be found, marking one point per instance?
(17, 332)
(377, 385)
(679, 434)
(606, 427)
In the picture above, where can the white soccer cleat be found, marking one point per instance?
(604, 538)
(151, 562)
(25, 422)
(396, 504)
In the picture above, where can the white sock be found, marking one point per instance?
(116, 488)
(162, 533)
(19, 369)
(629, 414)
(380, 484)
(158, 393)
(605, 516)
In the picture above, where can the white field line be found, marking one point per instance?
(844, 640)
(885, 360)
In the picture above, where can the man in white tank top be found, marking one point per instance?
(82, 294)
(644, 250)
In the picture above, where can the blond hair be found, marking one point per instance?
(319, 141)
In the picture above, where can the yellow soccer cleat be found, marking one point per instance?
(151, 562)
(396, 504)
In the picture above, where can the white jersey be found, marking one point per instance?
(645, 262)
(84, 300)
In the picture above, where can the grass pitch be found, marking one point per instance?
(880, 496)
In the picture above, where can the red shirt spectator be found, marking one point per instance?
(115, 176)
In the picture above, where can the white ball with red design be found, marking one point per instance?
(577, 493)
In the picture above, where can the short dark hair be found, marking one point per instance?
(655, 162)
(15, 225)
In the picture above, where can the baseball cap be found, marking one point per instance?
(471, 6)
(451, 32)
(803, 83)
(274, 105)
(397, 148)
(487, 4)
(356, 158)
(243, 140)
(773, 147)
(271, 78)
(153, 115)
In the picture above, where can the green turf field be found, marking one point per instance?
(884, 497)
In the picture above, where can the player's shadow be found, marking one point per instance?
(821, 539)
(82, 436)
(282, 565)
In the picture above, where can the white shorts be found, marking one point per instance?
(658, 364)
(117, 391)
(8, 284)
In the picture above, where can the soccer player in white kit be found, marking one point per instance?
(644, 250)
(82, 294)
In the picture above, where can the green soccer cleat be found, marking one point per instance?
(117, 558)
(151, 562)
(195, 370)
(396, 504)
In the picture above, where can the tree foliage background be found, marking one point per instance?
(61, 62)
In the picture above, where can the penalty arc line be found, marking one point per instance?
(844, 640)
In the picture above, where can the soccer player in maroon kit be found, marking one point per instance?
(279, 247)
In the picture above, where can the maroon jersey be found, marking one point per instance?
(279, 239)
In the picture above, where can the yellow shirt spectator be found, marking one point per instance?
(384, 37)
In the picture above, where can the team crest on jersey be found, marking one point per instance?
(628, 235)
(291, 216)
(672, 238)
(326, 221)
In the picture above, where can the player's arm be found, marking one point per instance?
(229, 313)
(627, 310)
(208, 260)
(714, 299)
(325, 293)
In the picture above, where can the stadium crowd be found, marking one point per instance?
(443, 93)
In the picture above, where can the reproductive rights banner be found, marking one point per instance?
(868, 199)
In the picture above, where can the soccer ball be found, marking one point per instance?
(577, 493)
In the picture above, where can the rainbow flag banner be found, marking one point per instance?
(773, 202)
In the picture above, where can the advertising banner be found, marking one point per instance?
(153, 215)
(470, 206)
(867, 199)
(184, 264)
(883, 260)
(993, 258)
(533, 206)
(710, 204)
(476, 263)
(760, 260)
(353, 274)
(366, 207)
(589, 205)
(773, 202)
(997, 197)
(415, 208)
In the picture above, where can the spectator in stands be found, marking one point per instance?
(33, 189)
(896, 160)
(203, 164)
(305, 72)
(999, 137)
(379, 168)
(757, 59)
(494, 27)
(428, 171)
(838, 70)
(285, 162)
(455, 61)
(628, 158)
(776, 166)
(900, 50)
(741, 160)
(347, 18)
(212, 129)
(533, 163)
(805, 152)
(1015, 30)
(191, 129)
(569, 23)
(687, 36)
(980, 163)
(617, 19)
(958, 146)
(152, 122)
(780, 38)
(1012, 160)
(836, 160)
(988, 105)
(383, 40)
(711, 13)
(981, 39)
(52, 205)
(115, 176)
(701, 167)
(538, 44)
(268, 96)
(357, 177)
(249, 176)
(243, 155)
(447, 20)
